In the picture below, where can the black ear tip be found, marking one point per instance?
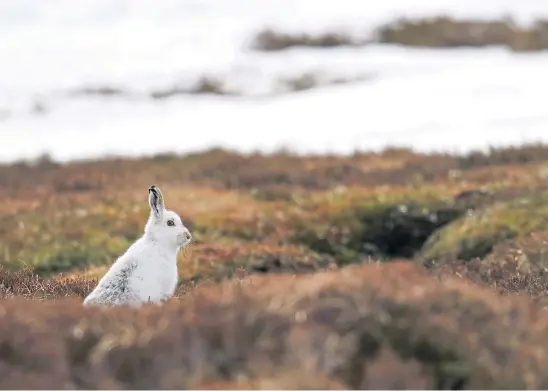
(152, 188)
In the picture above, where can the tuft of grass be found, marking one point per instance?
(104, 91)
(25, 283)
(270, 40)
(515, 266)
(437, 32)
(475, 235)
(446, 32)
(205, 85)
(504, 156)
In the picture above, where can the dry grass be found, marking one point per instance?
(342, 328)
(204, 85)
(265, 299)
(517, 266)
(437, 32)
(225, 169)
(219, 84)
(448, 32)
(25, 283)
(245, 209)
(270, 40)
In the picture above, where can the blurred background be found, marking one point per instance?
(132, 77)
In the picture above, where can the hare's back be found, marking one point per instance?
(102, 297)
(115, 286)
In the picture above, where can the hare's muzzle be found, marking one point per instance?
(185, 238)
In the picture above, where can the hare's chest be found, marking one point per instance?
(155, 282)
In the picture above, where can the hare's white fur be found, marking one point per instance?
(147, 271)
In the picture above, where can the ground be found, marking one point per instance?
(378, 270)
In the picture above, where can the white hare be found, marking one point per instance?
(147, 271)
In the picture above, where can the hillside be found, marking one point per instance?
(381, 270)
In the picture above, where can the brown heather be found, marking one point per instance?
(371, 326)
(433, 32)
(391, 270)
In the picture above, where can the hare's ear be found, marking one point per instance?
(156, 201)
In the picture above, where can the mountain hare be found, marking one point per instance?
(147, 271)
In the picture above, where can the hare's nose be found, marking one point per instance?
(187, 235)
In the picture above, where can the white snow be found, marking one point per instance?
(453, 100)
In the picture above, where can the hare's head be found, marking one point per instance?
(165, 226)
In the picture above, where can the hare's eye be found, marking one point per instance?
(171, 223)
